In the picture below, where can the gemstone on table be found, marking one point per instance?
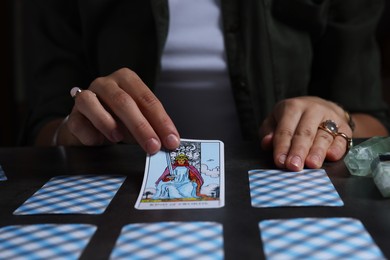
(381, 173)
(359, 158)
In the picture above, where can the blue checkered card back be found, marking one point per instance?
(44, 241)
(170, 240)
(81, 194)
(317, 238)
(2, 174)
(277, 188)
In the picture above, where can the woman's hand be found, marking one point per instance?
(292, 131)
(118, 108)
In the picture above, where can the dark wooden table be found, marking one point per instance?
(29, 168)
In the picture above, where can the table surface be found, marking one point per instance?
(29, 168)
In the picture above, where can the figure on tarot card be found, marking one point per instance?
(179, 180)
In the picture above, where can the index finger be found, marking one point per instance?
(140, 110)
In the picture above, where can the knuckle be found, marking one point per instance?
(121, 99)
(98, 82)
(328, 138)
(148, 100)
(290, 103)
(305, 132)
(125, 71)
(165, 121)
(102, 85)
(128, 75)
(285, 133)
(141, 126)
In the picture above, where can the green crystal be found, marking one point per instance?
(381, 173)
(360, 157)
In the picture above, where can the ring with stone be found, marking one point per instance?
(75, 91)
(330, 127)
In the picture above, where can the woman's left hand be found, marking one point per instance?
(292, 131)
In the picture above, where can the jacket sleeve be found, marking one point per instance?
(53, 61)
(71, 42)
(347, 58)
(345, 54)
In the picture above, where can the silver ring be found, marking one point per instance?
(75, 91)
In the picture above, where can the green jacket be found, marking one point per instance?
(276, 49)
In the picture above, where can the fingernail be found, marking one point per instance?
(316, 160)
(296, 161)
(117, 136)
(282, 159)
(172, 141)
(152, 146)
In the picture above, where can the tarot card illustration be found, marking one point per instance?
(192, 176)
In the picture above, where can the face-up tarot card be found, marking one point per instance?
(192, 176)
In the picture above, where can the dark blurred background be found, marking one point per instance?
(12, 99)
(384, 43)
(12, 95)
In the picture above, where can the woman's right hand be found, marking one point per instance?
(118, 108)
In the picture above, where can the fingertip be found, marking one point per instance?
(116, 136)
(152, 146)
(314, 161)
(295, 164)
(172, 141)
(280, 161)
